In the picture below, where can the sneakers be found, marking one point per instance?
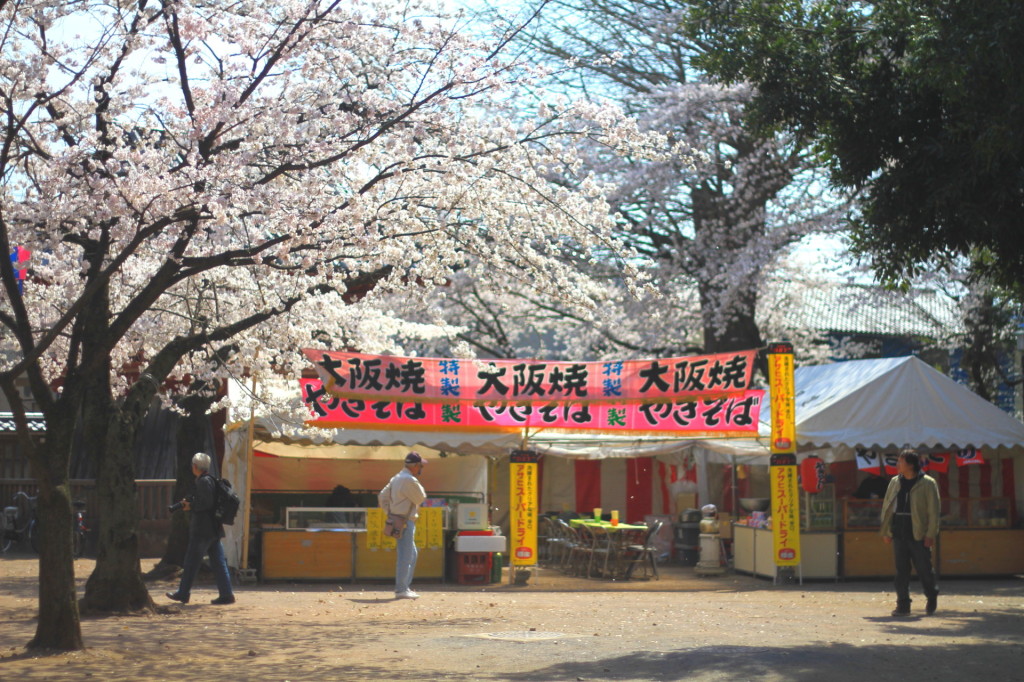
(174, 596)
(901, 611)
(933, 603)
(223, 600)
(408, 594)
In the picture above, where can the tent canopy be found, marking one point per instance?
(892, 403)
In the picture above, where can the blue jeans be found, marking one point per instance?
(406, 561)
(219, 564)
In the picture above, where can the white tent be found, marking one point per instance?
(888, 404)
(891, 403)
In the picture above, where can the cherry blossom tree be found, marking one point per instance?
(717, 223)
(205, 188)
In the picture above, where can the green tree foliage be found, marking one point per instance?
(917, 103)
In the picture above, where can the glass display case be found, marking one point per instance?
(858, 513)
(956, 512)
(819, 509)
(304, 518)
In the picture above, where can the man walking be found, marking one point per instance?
(204, 534)
(910, 522)
(401, 499)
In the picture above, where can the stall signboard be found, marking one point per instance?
(785, 509)
(429, 529)
(783, 411)
(523, 501)
(428, 380)
(785, 493)
(735, 415)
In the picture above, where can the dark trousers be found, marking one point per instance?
(907, 551)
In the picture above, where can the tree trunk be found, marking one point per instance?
(191, 438)
(116, 583)
(59, 626)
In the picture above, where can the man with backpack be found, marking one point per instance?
(204, 533)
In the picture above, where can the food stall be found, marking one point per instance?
(847, 409)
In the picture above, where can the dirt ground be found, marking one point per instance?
(681, 627)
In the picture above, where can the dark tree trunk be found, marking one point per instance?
(116, 583)
(59, 626)
(191, 438)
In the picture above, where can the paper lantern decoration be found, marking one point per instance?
(812, 474)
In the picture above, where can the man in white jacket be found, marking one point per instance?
(401, 499)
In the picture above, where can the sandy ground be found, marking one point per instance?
(681, 627)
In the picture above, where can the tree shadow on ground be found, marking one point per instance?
(836, 662)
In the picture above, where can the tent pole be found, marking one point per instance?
(735, 502)
(247, 498)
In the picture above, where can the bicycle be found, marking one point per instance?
(19, 522)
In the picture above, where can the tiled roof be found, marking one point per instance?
(36, 423)
(866, 309)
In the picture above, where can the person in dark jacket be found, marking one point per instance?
(204, 534)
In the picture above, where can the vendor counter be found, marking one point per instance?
(976, 538)
(752, 553)
(346, 544)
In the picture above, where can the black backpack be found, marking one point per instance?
(226, 502)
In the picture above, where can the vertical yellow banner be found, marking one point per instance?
(430, 528)
(783, 392)
(784, 490)
(375, 538)
(523, 502)
(785, 510)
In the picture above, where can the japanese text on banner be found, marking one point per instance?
(736, 415)
(523, 506)
(785, 510)
(428, 380)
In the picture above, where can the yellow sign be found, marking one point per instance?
(523, 500)
(781, 383)
(785, 510)
(429, 529)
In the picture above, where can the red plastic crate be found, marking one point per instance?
(473, 568)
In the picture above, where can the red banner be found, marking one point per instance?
(433, 380)
(968, 456)
(719, 416)
(936, 462)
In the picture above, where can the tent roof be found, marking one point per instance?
(892, 403)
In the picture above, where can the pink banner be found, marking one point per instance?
(432, 380)
(736, 415)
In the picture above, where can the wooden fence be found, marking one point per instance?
(153, 496)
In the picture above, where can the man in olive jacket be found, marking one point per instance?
(910, 522)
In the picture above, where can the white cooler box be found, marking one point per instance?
(480, 543)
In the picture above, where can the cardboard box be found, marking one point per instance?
(685, 501)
